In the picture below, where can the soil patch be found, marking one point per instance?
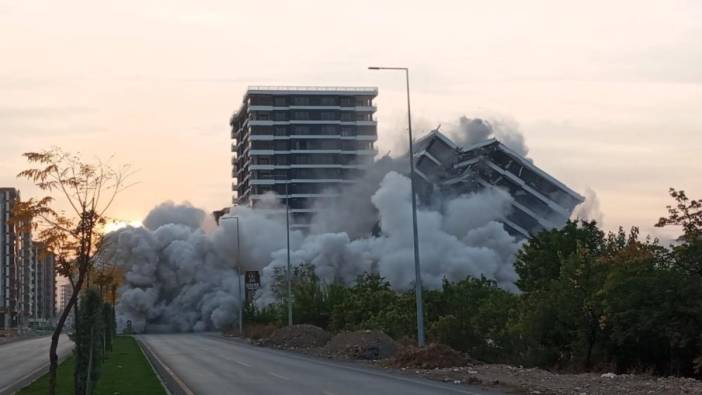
(433, 356)
(367, 344)
(298, 336)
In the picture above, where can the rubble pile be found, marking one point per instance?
(366, 344)
(538, 381)
(298, 337)
(433, 356)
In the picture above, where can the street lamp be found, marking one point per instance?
(287, 237)
(417, 269)
(238, 274)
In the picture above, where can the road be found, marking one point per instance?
(25, 359)
(209, 365)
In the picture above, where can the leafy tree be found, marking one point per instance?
(539, 261)
(366, 298)
(652, 314)
(686, 214)
(472, 315)
(109, 325)
(87, 191)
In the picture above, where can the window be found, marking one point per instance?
(301, 130)
(301, 101)
(328, 116)
(262, 115)
(281, 131)
(280, 101)
(347, 131)
(328, 129)
(328, 101)
(280, 115)
(346, 102)
(301, 115)
(346, 116)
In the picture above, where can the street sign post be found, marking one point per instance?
(253, 282)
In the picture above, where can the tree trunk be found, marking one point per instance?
(53, 357)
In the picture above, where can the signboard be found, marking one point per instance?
(253, 280)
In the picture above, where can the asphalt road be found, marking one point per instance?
(25, 359)
(208, 365)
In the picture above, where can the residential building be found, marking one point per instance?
(302, 143)
(43, 285)
(65, 292)
(539, 201)
(11, 262)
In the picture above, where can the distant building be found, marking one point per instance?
(539, 200)
(65, 292)
(43, 285)
(303, 143)
(10, 262)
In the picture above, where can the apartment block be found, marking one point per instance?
(539, 201)
(302, 143)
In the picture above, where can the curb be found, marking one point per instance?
(170, 381)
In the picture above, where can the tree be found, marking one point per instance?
(89, 338)
(86, 191)
(687, 214)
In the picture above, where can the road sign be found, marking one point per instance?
(253, 280)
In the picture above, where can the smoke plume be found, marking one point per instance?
(470, 131)
(181, 278)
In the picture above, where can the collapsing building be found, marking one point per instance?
(539, 200)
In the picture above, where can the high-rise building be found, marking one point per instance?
(539, 201)
(11, 267)
(303, 143)
(43, 285)
(65, 292)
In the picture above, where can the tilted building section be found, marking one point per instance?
(539, 200)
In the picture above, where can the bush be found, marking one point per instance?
(89, 337)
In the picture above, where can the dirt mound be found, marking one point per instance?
(367, 344)
(299, 336)
(432, 356)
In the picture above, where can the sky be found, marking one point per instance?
(607, 93)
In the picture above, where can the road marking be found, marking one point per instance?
(243, 364)
(278, 376)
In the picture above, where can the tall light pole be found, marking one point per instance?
(238, 274)
(287, 237)
(417, 268)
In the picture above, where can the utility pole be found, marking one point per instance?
(287, 236)
(417, 268)
(238, 273)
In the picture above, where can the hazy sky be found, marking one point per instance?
(607, 93)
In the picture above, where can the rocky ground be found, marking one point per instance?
(439, 362)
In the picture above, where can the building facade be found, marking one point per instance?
(539, 201)
(302, 143)
(11, 263)
(27, 272)
(43, 286)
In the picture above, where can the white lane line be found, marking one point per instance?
(243, 364)
(278, 376)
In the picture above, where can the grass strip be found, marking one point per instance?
(125, 371)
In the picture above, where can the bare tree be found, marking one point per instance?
(88, 190)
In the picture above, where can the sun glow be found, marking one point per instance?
(116, 225)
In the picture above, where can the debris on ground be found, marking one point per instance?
(298, 336)
(253, 331)
(433, 356)
(538, 381)
(366, 344)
